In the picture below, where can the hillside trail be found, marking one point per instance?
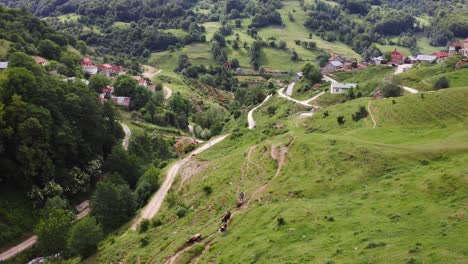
(152, 208)
(250, 118)
(128, 134)
(306, 103)
(278, 154)
(372, 115)
(401, 69)
(149, 72)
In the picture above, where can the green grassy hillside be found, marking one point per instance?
(343, 193)
(424, 75)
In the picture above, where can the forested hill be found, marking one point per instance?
(50, 130)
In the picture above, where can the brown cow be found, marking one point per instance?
(223, 227)
(226, 217)
(195, 238)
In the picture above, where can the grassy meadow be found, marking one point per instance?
(345, 191)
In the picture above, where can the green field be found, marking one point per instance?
(346, 192)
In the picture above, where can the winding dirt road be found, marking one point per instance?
(167, 92)
(250, 118)
(306, 103)
(149, 72)
(401, 69)
(371, 115)
(152, 208)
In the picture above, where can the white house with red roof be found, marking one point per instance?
(462, 48)
(39, 60)
(88, 67)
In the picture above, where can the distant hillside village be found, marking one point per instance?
(88, 68)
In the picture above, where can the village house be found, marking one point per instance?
(378, 60)
(339, 88)
(88, 67)
(141, 81)
(108, 70)
(3, 65)
(39, 60)
(337, 57)
(440, 55)
(397, 57)
(332, 66)
(410, 60)
(299, 76)
(458, 45)
(121, 101)
(426, 58)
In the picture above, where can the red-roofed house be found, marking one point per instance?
(141, 81)
(397, 57)
(40, 60)
(88, 67)
(440, 55)
(105, 69)
(457, 45)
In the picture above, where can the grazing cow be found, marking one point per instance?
(226, 217)
(223, 227)
(240, 203)
(195, 238)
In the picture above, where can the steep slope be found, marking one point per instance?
(321, 192)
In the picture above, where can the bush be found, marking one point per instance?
(181, 212)
(84, 237)
(362, 113)
(390, 89)
(372, 245)
(207, 190)
(281, 221)
(144, 225)
(340, 120)
(441, 83)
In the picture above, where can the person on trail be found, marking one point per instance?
(226, 216)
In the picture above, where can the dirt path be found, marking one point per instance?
(306, 103)
(167, 92)
(128, 133)
(150, 71)
(28, 243)
(371, 115)
(152, 208)
(328, 79)
(290, 89)
(401, 69)
(250, 118)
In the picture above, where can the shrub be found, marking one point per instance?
(144, 241)
(271, 110)
(144, 225)
(340, 120)
(372, 245)
(181, 212)
(207, 190)
(362, 113)
(441, 83)
(280, 221)
(390, 89)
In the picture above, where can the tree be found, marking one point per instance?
(49, 49)
(441, 83)
(390, 89)
(312, 73)
(235, 63)
(125, 85)
(52, 231)
(238, 23)
(84, 237)
(125, 164)
(113, 203)
(388, 56)
(294, 55)
(147, 185)
(282, 44)
(182, 63)
(97, 82)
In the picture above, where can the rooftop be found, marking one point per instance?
(3, 64)
(344, 85)
(426, 58)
